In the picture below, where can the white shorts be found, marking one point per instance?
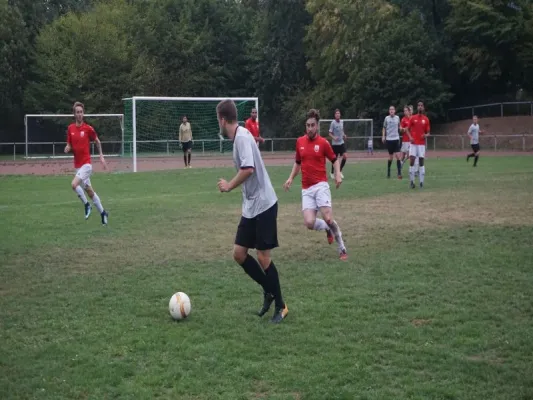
(417, 150)
(84, 173)
(405, 147)
(316, 196)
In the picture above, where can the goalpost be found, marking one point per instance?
(358, 131)
(152, 124)
(45, 134)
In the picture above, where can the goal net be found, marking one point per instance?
(358, 131)
(152, 125)
(46, 134)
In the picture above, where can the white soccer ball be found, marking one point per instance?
(179, 306)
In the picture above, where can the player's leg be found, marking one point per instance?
(96, 200)
(405, 151)
(244, 240)
(323, 201)
(476, 149)
(266, 240)
(82, 174)
(412, 157)
(184, 148)
(390, 149)
(342, 153)
(421, 161)
(398, 155)
(470, 155)
(310, 208)
(189, 151)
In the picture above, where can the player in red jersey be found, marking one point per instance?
(79, 137)
(404, 125)
(312, 150)
(418, 131)
(252, 124)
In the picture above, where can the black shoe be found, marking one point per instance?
(280, 314)
(412, 185)
(421, 185)
(267, 302)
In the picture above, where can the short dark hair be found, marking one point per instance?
(474, 116)
(78, 104)
(337, 110)
(312, 113)
(228, 110)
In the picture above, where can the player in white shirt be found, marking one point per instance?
(473, 133)
(391, 136)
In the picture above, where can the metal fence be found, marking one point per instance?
(508, 109)
(147, 148)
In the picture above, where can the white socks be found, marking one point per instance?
(97, 203)
(79, 191)
(422, 174)
(320, 225)
(412, 173)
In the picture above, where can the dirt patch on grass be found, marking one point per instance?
(481, 358)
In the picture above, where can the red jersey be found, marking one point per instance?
(311, 154)
(404, 123)
(79, 138)
(252, 126)
(418, 126)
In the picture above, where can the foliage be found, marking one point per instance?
(357, 55)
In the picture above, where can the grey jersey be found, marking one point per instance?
(392, 127)
(258, 195)
(474, 133)
(337, 130)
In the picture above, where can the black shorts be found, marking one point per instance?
(339, 149)
(260, 232)
(186, 146)
(393, 146)
(475, 147)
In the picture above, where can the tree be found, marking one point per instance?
(278, 61)
(14, 57)
(397, 70)
(86, 57)
(493, 42)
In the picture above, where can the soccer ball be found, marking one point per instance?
(179, 306)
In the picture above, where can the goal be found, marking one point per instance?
(46, 134)
(358, 131)
(152, 125)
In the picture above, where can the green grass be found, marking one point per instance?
(434, 303)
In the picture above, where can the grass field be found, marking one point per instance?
(435, 301)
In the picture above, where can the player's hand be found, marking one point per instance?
(338, 180)
(67, 148)
(223, 185)
(383, 140)
(261, 140)
(287, 184)
(102, 160)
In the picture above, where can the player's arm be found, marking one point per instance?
(296, 167)
(68, 146)
(426, 133)
(246, 166)
(331, 156)
(180, 133)
(383, 130)
(96, 140)
(408, 131)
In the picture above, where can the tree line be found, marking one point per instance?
(356, 55)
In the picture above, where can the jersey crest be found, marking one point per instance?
(317, 148)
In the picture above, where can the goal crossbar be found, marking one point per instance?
(135, 99)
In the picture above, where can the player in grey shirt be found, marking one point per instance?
(391, 137)
(336, 133)
(258, 225)
(473, 133)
